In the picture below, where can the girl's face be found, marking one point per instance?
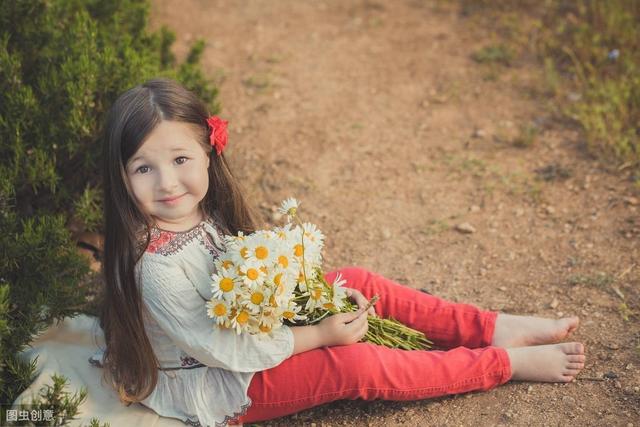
(168, 175)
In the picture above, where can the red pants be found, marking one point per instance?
(367, 371)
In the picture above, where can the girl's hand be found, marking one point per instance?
(360, 299)
(343, 328)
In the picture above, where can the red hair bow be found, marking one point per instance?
(218, 134)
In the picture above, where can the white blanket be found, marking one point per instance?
(65, 349)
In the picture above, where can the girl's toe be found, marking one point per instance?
(576, 358)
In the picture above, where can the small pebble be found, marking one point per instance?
(610, 375)
(466, 228)
(479, 133)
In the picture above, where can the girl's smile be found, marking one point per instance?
(172, 200)
(169, 175)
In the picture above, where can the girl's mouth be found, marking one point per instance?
(171, 200)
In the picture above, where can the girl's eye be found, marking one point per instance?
(180, 160)
(143, 169)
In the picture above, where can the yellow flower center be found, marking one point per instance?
(257, 297)
(288, 314)
(227, 263)
(226, 284)
(272, 301)
(283, 261)
(243, 317)
(252, 274)
(262, 252)
(329, 306)
(220, 310)
(278, 279)
(317, 293)
(243, 252)
(265, 328)
(263, 269)
(298, 250)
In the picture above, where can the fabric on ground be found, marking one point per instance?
(65, 348)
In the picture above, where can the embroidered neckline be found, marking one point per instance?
(200, 224)
(166, 242)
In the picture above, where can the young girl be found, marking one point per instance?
(169, 196)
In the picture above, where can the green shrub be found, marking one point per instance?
(62, 64)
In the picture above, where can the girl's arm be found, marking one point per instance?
(338, 329)
(306, 338)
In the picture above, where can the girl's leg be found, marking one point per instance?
(445, 323)
(367, 371)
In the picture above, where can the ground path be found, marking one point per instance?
(375, 117)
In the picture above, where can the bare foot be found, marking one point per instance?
(518, 331)
(548, 363)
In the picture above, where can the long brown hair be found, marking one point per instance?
(130, 364)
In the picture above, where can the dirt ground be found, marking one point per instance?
(374, 115)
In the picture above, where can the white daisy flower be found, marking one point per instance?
(283, 258)
(224, 262)
(289, 207)
(240, 321)
(339, 293)
(252, 273)
(284, 232)
(310, 249)
(261, 249)
(292, 311)
(317, 298)
(268, 323)
(224, 285)
(312, 234)
(256, 299)
(236, 249)
(218, 310)
(283, 284)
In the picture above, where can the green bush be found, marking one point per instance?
(62, 64)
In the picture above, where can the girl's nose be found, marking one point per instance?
(167, 180)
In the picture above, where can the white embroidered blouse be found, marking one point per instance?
(205, 370)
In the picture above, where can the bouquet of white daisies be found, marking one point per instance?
(273, 277)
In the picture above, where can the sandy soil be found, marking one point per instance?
(374, 115)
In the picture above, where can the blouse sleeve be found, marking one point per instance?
(179, 310)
